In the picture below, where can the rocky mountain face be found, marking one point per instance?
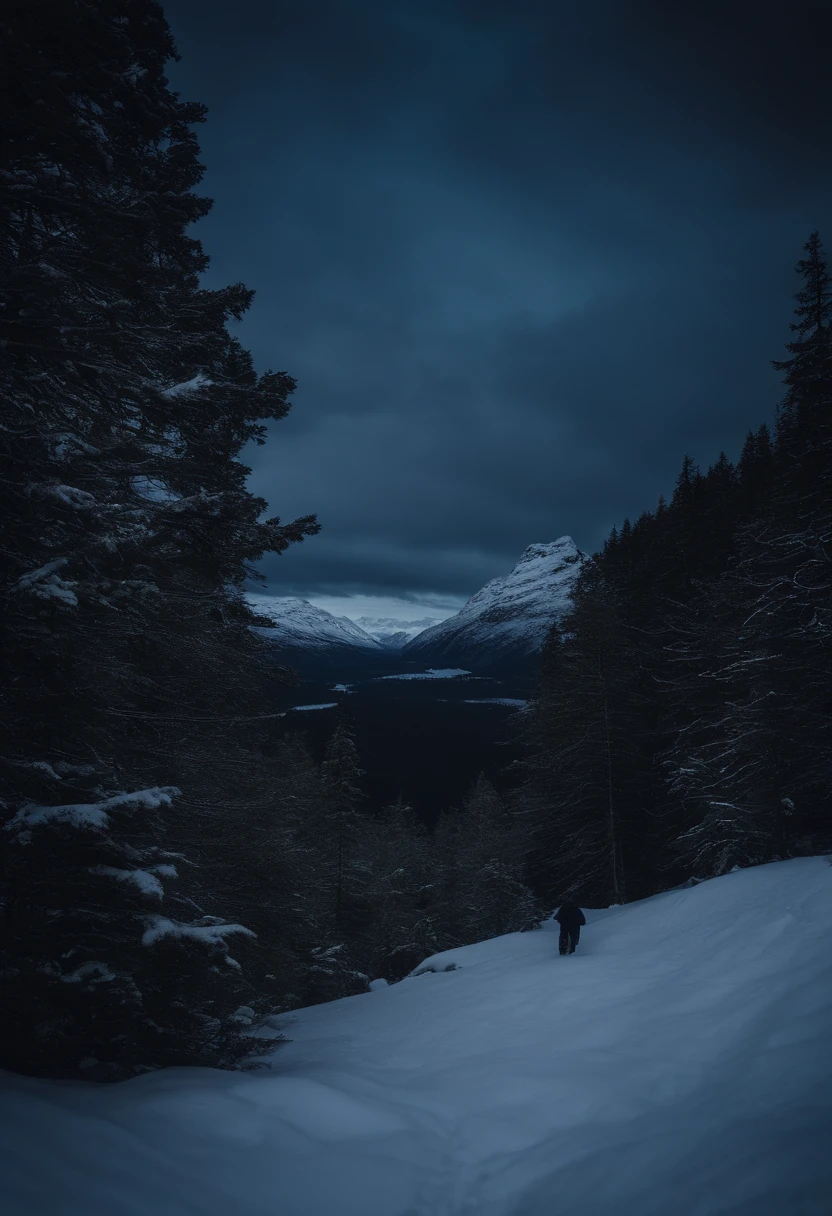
(508, 620)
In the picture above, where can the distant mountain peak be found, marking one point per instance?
(510, 617)
(563, 545)
(393, 632)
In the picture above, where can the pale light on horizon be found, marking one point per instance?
(422, 609)
(390, 608)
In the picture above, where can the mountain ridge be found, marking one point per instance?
(506, 622)
(510, 617)
(298, 624)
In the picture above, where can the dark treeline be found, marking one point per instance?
(683, 721)
(340, 893)
(168, 872)
(129, 672)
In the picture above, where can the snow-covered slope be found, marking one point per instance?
(300, 625)
(680, 1064)
(395, 641)
(509, 617)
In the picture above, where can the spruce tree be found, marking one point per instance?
(396, 891)
(493, 896)
(447, 904)
(342, 794)
(716, 610)
(749, 757)
(336, 827)
(755, 472)
(581, 799)
(786, 552)
(126, 529)
(729, 766)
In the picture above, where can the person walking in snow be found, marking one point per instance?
(570, 918)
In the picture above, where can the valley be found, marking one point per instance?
(429, 712)
(424, 738)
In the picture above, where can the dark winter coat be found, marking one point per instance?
(570, 916)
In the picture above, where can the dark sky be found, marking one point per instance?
(519, 255)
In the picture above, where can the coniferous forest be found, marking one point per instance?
(168, 871)
(682, 724)
(173, 867)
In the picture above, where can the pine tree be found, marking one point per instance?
(804, 426)
(712, 617)
(729, 764)
(492, 895)
(258, 856)
(125, 527)
(447, 903)
(788, 549)
(342, 795)
(396, 890)
(581, 799)
(751, 763)
(755, 472)
(333, 834)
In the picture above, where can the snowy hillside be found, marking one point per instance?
(680, 1064)
(395, 641)
(299, 624)
(510, 616)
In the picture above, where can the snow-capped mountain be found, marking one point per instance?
(505, 622)
(299, 625)
(510, 617)
(394, 632)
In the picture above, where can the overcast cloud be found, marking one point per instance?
(520, 257)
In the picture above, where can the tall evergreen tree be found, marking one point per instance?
(712, 617)
(396, 879)
(582, 797)
(125, 527)
(482, 890)
(787, 551)
(729, 764)
(342, 794)
(755, 471)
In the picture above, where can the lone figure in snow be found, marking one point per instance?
(570, 918)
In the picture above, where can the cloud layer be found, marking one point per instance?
(520, 258)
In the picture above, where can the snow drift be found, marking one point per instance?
(680, 1063)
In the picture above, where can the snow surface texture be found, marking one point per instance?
(511, 615)
(680, 1064)
(297, 623)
